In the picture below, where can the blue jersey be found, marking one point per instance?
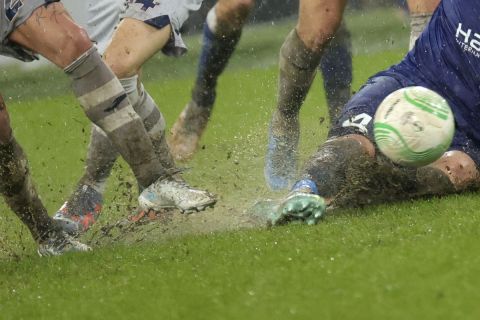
(446, 58)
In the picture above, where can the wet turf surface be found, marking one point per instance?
(409, 260)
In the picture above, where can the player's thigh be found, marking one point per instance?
(5, 129)
(50, 31)
(147, 27)
(357, 115)
(133, 43)
(318, 21)
(422, 6)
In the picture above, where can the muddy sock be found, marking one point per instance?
(336, 67)
(418, 22)
(19, 192)
(217, 49)
(298, 65)
(154, 123)
(106, 105)
(101, 152)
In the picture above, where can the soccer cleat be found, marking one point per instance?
(280, 160)
(303, 204)
(80, 212)
(170, 193)
(299, 207)
(61, 243)
(187, 130)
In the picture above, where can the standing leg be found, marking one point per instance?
(133, 43)
(17, 189)
(221, 34)
(51, 32)
(336, 67)
(299, 58)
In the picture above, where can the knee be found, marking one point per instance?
(459, 168)
(358, 142)
(232, 14)
(317, 30)
(123, 64)
(71, 45)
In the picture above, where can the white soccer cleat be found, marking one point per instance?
(169, 193)
(59, 244)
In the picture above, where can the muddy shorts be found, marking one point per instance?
(357, 116)
(12, 14)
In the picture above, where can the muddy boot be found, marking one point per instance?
(187, 131)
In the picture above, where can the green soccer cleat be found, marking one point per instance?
(299, 207)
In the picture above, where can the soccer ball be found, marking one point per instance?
(413, 126)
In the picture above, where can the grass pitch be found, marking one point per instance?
(408, 260)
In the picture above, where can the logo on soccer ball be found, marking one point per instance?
(413, 126)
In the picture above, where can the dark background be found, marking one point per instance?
(269, 10)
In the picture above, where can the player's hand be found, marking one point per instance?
(299, 207)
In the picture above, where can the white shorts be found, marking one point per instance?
(104, 15)
(12, 14)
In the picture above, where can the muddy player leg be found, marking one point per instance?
(336, 67)
(84, 206)
(16, 185)
(133, 43)
(299, 58)
(17, 189)
(420, 14)
(348, 151)
(324, 177)
(52, 33)
(221, 33)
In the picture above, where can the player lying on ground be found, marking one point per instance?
(221, 33)
(300, 55)
(348, 170)
(44, 27)
(146, 27)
